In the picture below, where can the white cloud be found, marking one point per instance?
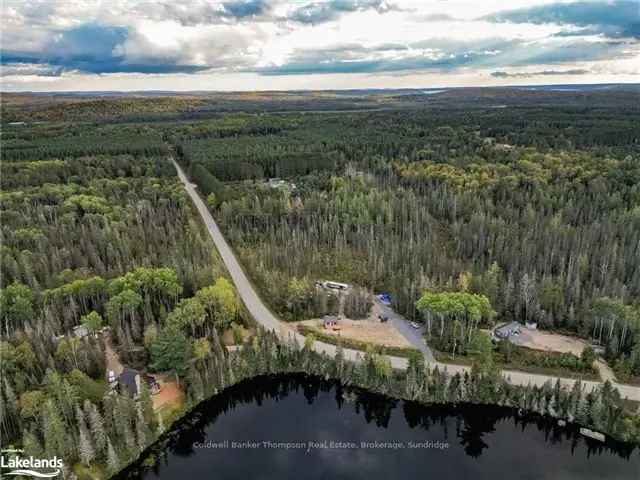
(377, 39)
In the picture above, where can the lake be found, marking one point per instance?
(303, 427)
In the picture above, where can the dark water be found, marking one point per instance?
(468, 442)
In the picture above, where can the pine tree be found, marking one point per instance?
(85, 447)
(143, 434)
(97, 428)
(56, 438)
(31, 445)
(113, 462)
(146, 403)
(195, 385)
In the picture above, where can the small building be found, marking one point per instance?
(112, 380)
(276, 183)
(507, 330)
(129, 382)
(587, 432)
(331, 322)
(335, 285)
(80, 331)
(505, 147)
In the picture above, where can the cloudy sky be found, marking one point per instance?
(49, 45)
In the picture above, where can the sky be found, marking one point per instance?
(129, 45)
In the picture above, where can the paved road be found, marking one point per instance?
(269, 321)
(415, 336)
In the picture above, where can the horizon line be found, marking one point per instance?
(373, 89)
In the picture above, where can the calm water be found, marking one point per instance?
(471, 442)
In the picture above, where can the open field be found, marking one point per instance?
(369, 331)
(549, 342)
(170, 393)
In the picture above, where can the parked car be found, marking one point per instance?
(383, 318)
(414, 324)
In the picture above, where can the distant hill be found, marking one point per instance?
(162, 105)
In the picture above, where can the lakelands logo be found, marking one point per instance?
(30, 467)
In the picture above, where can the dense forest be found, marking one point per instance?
(541, 216)
(98, 232)
(540, 219)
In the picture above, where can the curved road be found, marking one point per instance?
(268, 320)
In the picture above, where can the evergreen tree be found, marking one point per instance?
(113, 462)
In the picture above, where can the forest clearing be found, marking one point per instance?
(370, 331)
(170, 394)
(551, 342)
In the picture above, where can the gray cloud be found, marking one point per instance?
(95, 48)
(21, 69)
(205, 12)
(436, 17)
(616, 18)
(321, 12)
(543, 73)
(230, 35)
(442, 55)
(246, 8)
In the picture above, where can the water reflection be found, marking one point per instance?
(328, 410)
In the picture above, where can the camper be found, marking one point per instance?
(335, 285)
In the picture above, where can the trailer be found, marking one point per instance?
(587, 432)
(335, 285)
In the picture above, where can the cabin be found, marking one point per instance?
(507, 330)
(129, 382)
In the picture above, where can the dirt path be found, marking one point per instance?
(111, 357)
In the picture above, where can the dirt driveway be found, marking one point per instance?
(549, 342)
(113, 363)
(170, 393)
(370, 331)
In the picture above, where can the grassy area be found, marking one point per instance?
(171, 412)
(533, 363)
(93, 472)
(356, 344)
(228, 335)
(627, 379)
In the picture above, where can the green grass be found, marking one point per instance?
(93, 472)
(627, 379)
(468, 360)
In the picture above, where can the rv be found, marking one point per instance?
(335, 285)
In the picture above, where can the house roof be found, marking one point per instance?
(128, 380)
(508, 327)
(80, 330)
